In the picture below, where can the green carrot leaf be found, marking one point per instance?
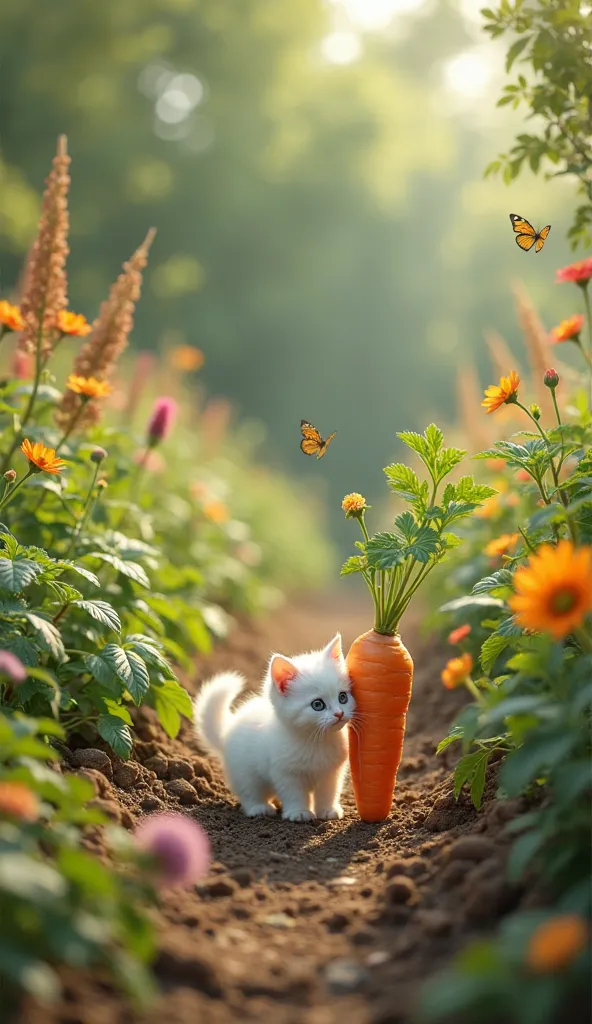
(385, 551)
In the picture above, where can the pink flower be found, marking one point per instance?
(22, 364)
(161, 421)
(150, 460)
(12, 667)
(578, 273)
(179, 845)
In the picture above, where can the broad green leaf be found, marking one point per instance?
(118, 711)
(434, 437)
(491, 650)
(406, 524)
(500, 580)
(405, 482)
(477, 601)
(168, 716)
(425, 544)
(535, 758)
(385, 551)
(454, 736)
(130, 668)
(25, 649)
(103, 672)
(417, 443)
(48, 635)
(151, 655)
(81, 571)
(18, 574)
(102, 612)
(132, 570)
(116, 733)
(478, 780)
(466, 768)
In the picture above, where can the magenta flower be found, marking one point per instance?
(179, 845)
(12, 667)
(161, 421)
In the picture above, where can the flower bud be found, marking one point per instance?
(354, 505)
(101, 484)
(551, 378)
(161, 421)
(535, 411)
(98, 454)
(10, 476)
(12, 667)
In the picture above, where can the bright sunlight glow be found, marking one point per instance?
(341, 47)
(373, 15)
(467, 74)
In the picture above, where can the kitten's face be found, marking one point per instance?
(313, 692)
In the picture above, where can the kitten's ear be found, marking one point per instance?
(282, 671)
(333, 649)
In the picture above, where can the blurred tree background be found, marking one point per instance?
(315, 172)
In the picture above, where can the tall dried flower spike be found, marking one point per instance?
(109, 338)
(537, 345)
(45, 286)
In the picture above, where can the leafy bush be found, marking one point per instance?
(58, 903)
(526, 633)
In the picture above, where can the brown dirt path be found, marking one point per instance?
(324, 923)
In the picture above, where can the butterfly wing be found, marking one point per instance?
(311, 439)
(521, 225)
(526, 242)
(541, 238)
(325, 445)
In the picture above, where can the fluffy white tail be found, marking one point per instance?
(211, 708)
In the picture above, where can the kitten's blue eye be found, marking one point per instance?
(343, 697)
(318, 704)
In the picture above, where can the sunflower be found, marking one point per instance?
(568, 330)
(553, 592)
(456, 671)
(74, 324)
(503, 393)
(10, 317)
(88, 387)
(43, 458)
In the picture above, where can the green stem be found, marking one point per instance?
(89, 505)
(584, 287)
(474, 690)
(529, 546)
(7, 498)
(32, 396)
(73, 424)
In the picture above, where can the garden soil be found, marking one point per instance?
(335, 922)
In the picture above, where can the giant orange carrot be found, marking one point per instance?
(381, 671)
(393, 566)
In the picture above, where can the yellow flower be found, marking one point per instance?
(557, 942)
(74, 324)
(90, 387)
(553, 592)
(503, 393)
(456, 671)
(216, 512)
(18, 801)
(44, 458)
(10, 316)
(500, 545)
(353, 504)
(186, 358)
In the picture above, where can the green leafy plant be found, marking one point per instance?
(58, 903)
(553, 45)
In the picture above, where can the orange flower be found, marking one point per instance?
(496, 465)
(42, 457)
(10, 317)
(216, 512)
(569, 329)
(74, 324)
(89, 387)
(459, 634)
(186, 358)
(18, 801)
(523, 475)
(489, 508)
(503, 393)
(456, 671)
(578, 273)
(500, 545)
(556, 943)
(553, 592)
(353, 505)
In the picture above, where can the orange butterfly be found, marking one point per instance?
(526, 236)
(312, 443)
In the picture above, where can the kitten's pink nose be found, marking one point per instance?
(338, 715)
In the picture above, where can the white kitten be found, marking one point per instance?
(289, 740)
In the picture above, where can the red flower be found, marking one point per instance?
(459, 634)
(579, 272)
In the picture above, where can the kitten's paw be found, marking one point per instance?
(259, 810)
(298, 815)
(330, 813)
